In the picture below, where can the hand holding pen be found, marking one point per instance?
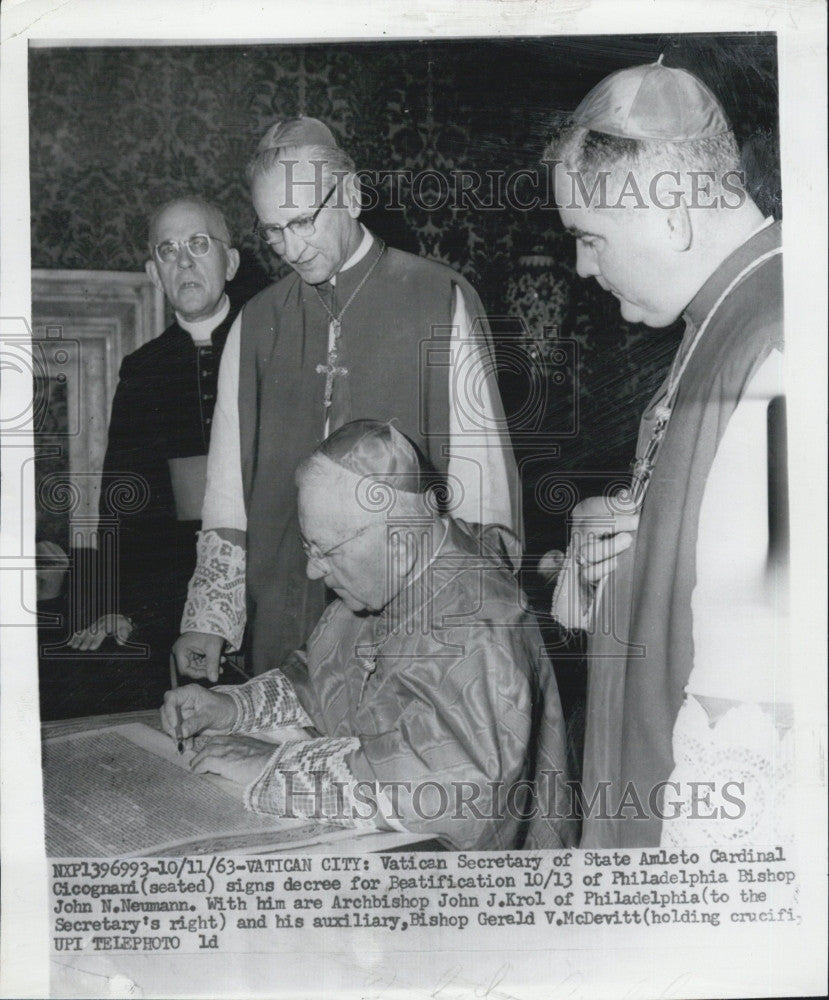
(196, 711)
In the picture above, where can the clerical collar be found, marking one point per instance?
(200, 329)
(357, 256)
(765, 237)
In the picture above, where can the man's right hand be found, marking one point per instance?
(602, 528)
(193, 710)
(198, 655)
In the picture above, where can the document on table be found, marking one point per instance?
(125, 791)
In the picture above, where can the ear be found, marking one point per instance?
(404, 551)
(232, 257)
(353, 197)
(152, 274)
(680, 228)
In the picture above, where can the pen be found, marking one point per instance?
(173, 687)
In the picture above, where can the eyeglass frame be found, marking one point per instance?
(310, 220)
(313, 551)
(186, 243)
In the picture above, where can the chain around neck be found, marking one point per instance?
(338, 318)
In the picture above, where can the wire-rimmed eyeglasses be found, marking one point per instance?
(313, 551)
(197, 246)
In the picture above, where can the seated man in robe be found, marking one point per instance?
(432, 705)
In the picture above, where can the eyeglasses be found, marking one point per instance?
(303, 227)
(197, 246)
(313, 551)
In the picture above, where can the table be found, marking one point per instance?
(338, 841)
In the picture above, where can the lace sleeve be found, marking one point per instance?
(216, 595)
(733, 778)
(312, 779)
(267, 700)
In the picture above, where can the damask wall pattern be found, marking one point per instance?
(114, 131)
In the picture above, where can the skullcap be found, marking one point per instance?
(652, 102)
(300, 131)
(376, 450)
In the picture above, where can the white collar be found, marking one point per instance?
(200, 329)
(357, 256)
(768, 221)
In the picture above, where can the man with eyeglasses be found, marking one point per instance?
(160, 428)
(429, 702)
(357, 330)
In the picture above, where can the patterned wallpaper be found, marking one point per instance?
(115, 131)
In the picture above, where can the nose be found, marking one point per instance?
(586, 264)
(313, 570)
(293, 246)
(184, 258)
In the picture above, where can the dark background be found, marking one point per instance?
(116, 130)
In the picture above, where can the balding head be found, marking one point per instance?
(361, 512)
(212, 215)
(193, 281)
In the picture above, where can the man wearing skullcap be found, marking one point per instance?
(678, 580)
(357, 329)
(430, 703)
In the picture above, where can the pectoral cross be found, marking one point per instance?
(643, 465)
(331, 369)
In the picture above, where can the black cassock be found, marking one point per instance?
(162, 412)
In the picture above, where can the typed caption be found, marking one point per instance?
(240, 904)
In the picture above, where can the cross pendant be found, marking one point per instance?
(330, 371)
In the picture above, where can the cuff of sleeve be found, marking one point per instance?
(265, 701)
(310, 780)
(239, 705)
(216, 595)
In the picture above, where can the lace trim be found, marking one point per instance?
(310, 779)
(749, 760)
(216, 594)
(267, 700)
